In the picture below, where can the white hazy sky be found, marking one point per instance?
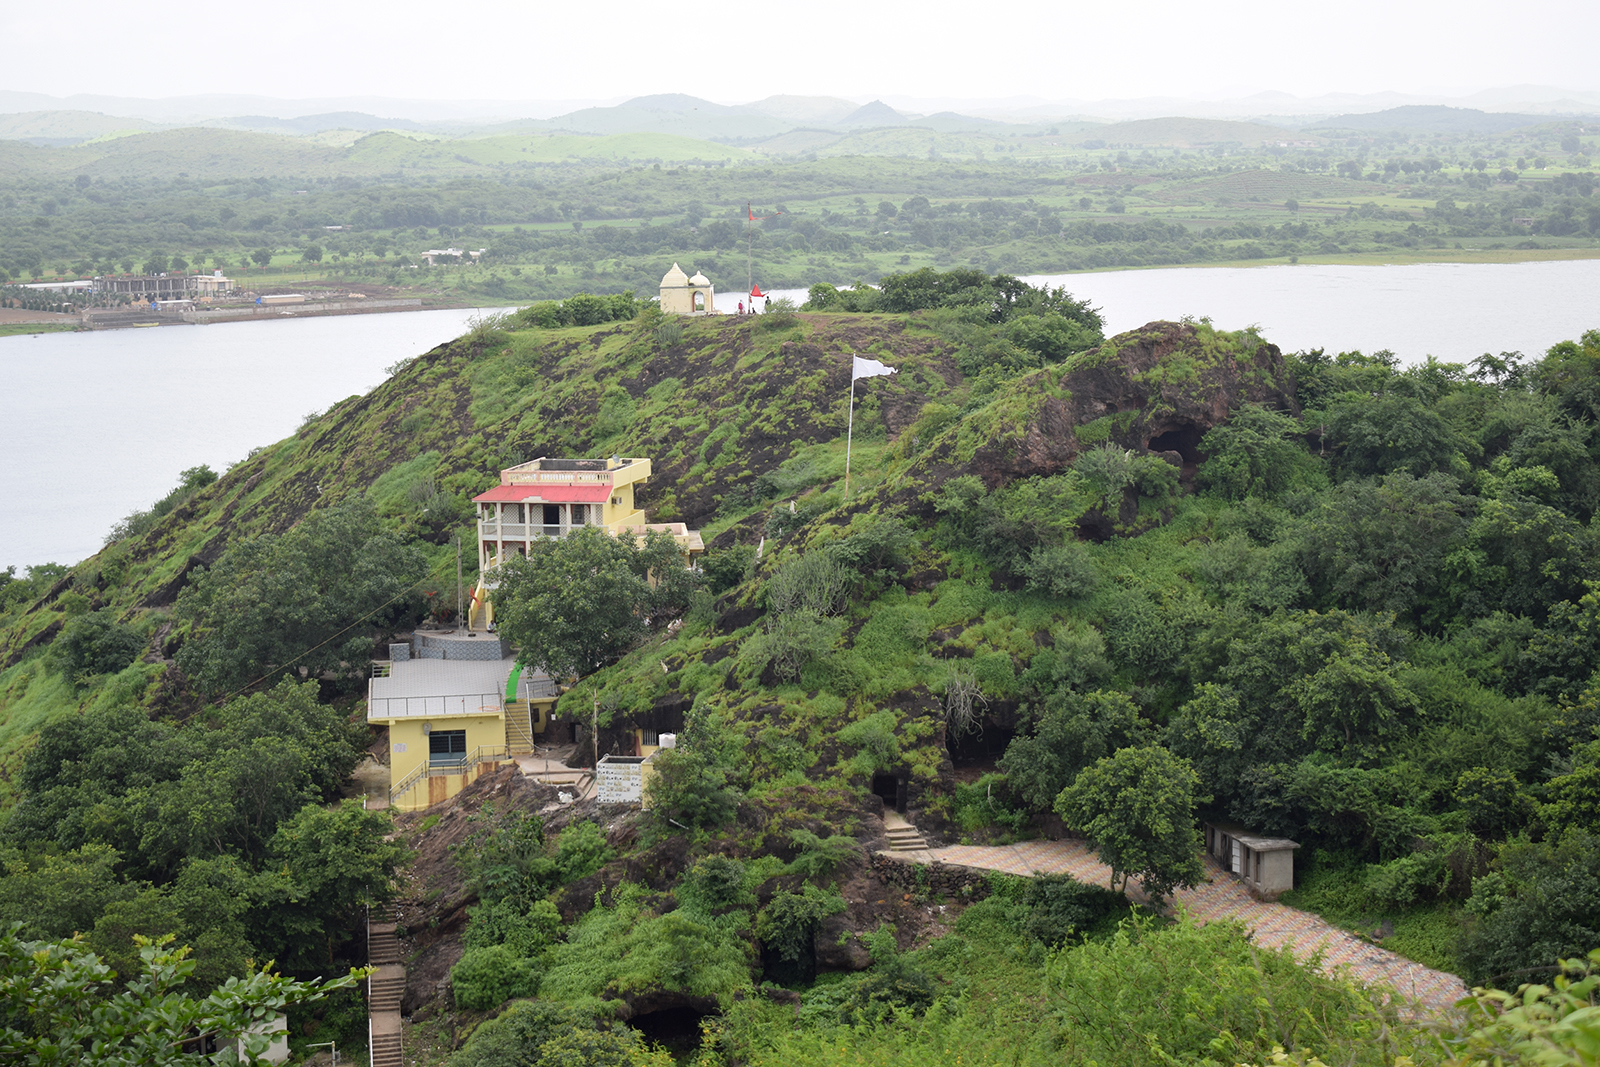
(1055, 49)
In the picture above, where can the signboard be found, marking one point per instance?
(620, 780)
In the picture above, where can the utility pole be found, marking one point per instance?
(460, 621)
(594, 732)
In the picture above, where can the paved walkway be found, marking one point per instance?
(1223, 897)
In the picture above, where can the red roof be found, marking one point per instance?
(550, 494)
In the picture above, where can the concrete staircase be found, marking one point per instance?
(520, 740)
(903, 837)
(386, 988)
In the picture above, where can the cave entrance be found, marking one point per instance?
(891, 789)
(676, 1028)
(1185, 441)
(795, 973)
(979, 747)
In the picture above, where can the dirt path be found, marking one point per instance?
(1223, 897)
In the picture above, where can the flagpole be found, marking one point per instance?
(850, 427)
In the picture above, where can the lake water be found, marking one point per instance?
(96, 425)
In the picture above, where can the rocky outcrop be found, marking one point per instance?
(1157, 389)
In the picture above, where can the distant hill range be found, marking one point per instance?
(1432, 118)
(663, 127)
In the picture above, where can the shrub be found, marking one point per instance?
(488, 977)
(1540, 905)
(727, 567)
(788, 923)
(97, 644)
(820, 856)
(1060, 906)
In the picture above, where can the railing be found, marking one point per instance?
(417, 707)
(459, 765)
(516, 477)
(381, 669)
(521, 531)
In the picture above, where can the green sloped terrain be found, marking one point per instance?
(1348, 603)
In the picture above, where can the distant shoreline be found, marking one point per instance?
(14, 322)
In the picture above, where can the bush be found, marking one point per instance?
(820, 856)
(788, 923)
(97, 644)
(526, 932)
(690, 787)
(1540, 905)
(791, 642)
(488, 977)
(1060, 906)
(715, 884)
(727, 567)
(894, 984)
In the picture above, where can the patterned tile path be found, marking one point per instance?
(1223, 897)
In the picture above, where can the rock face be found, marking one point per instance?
(1157, 389)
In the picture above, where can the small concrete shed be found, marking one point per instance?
(1264, 864)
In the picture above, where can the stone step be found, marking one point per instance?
(386, 1050)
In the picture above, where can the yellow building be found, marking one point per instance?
(553, 497)
(457, 704)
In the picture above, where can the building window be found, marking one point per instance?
(447, 746)
(580, 514)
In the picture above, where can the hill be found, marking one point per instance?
(1116, 586)
(1431, 118)
(65, 127)
(1182, 132)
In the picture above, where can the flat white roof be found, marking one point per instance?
(423, 687)
(420, 687)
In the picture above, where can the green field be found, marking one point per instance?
(607, 211)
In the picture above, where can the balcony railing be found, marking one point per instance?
(421, 707)
(506, 531)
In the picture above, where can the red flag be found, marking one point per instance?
(749, 212)
(755, 292)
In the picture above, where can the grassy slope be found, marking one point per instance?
(480, 404)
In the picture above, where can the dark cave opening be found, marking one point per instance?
(676, 1028)
(1185, 441)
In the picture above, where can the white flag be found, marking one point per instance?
(869, 368)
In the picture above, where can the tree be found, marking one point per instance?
(1074, 732)
(1377, 545)
(1540, 903)
(334, 862)
(310, 598)
(74, 1014)
(1257, 452)
(577, 603)
(156, 264)
(312, 254)
(261, 256)
(1137, 808)
(97, 644)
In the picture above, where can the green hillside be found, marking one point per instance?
(1109, 586)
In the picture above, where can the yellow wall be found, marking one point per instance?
(482, 730)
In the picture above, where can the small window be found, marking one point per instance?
(447, 746)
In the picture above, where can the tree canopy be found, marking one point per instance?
(577, 603)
